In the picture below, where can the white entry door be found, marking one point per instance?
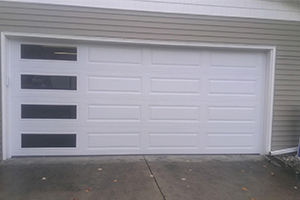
(101, 99)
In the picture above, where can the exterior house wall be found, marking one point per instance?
(265, 9)
(112, 23)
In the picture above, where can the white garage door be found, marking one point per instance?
(97, 99)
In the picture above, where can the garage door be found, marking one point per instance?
(100, 99)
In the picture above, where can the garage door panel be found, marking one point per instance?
(42, 125)
(174, 113)
(231, 114)
(38, 111)
(229, 140)
(232, 87)
(231, 60)
(173, 140)
(61, 95)
(175, 58)
(50, 81)
(114, 113)
(51, 65)
(25, 83)
(230, 137)
(44, 51)
(35, 64)
(115, 54)
(109, 140)
(36, 146)
(47, 152)
(175, 86)
(239, 63)
(48, 140)
(55, 68)
(225, 144)
(235, 86)
(29, 112)
(65, 98)
(139, 99)
(115, 84)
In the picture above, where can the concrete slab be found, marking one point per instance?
(222, 177)
(233, 177)
(107, 178)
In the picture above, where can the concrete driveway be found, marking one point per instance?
(232, 177)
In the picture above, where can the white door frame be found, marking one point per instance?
(265, 145)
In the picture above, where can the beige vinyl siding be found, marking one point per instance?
(261, 9)
(68, 20)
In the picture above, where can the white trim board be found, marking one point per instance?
(262, 9)
(5, 113)
(265, 146)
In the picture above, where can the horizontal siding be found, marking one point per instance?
(67, 20)
(265, 9)
(137, 21)
(138, 27)
(144, 31)
(109, 14)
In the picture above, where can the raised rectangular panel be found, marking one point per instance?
(232, 87)
(176, 57)
(226, 140)
(174, 113)
(233, 60)
(114, 84)
(231, 114)
(115, 113)
(173, 140)
(113, 140)
(115, 54)
(175, 86)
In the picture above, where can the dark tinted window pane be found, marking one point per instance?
(48, 112)
(48, 140)
(48, 82)
(43, 52)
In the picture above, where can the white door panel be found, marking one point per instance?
(142, 100)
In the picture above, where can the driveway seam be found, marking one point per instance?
(159, 188)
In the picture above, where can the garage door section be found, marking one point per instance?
(100, 99)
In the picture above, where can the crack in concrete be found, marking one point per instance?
(159, 188)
